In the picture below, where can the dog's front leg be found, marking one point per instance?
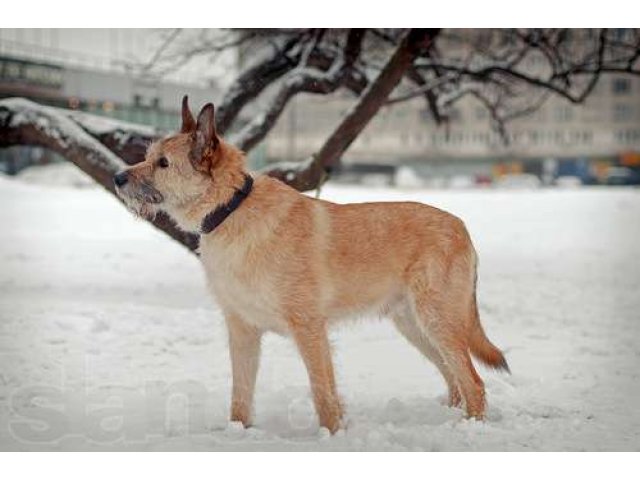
(244, 347)
(313, 344)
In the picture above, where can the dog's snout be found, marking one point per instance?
(120, 178)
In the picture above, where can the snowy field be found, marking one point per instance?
(109, 340)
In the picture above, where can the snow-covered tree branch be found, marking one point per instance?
(304, 78)
(78, 137)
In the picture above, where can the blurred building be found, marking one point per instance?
(109, 49)
(107, 93)
(67, 79)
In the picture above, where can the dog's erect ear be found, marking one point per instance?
(188, 122)
(206, 126)
(205, 139)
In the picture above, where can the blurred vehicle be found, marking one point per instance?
(568, 181)
(622, 176)
(462, 181)
(483, 180)
(375, 180)
(518, 181)
(435, 182)
(577, 167)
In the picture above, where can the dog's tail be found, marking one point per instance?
(480, 346)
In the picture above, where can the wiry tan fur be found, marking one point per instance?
(291, 264)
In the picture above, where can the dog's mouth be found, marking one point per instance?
(142, 199)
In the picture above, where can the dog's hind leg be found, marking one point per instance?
(441, 302)
(404, 320)
(244, 347)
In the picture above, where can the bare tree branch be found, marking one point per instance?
(564, 71)
(158, 53)
(425, 88)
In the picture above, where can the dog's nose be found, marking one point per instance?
(120, 178)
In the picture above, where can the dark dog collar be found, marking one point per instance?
(220, 214)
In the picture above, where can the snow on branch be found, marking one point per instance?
(25, 122)
(254, 79)
(303, 79)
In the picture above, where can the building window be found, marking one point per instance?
(533, 137)
(628, 136)
(586, 137)
(622, 113)
(563, 113)
(621, 86)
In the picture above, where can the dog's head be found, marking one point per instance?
(180, 168)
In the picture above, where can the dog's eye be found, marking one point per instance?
(163, 162)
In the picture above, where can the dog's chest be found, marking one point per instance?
(243, 285)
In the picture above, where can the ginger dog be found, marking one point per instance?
(279, 261)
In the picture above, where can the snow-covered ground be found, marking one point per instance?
(109, 340)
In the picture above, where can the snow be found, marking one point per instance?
(102, 125)
(109, 340)
(59, 174)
